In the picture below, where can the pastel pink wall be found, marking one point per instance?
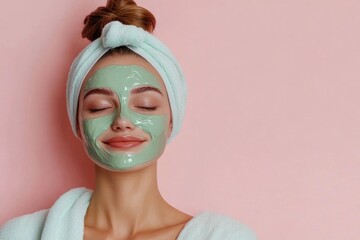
(272, 132)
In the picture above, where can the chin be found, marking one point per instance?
(135, 168)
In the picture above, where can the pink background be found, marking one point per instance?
(271, 135)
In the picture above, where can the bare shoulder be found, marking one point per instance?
(209, 226)
(25, 227)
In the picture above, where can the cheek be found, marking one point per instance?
(93, 128)
(155, 125)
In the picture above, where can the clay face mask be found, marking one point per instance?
(121, 80)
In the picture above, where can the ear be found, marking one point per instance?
(170, 129)
(78, 131)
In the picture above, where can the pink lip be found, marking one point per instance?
(124, 142)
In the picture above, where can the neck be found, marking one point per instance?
(127, 199)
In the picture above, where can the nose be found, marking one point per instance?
(122, 124)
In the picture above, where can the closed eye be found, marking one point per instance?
(147, 108)
(97, 109)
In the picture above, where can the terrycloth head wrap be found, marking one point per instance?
(116, 34)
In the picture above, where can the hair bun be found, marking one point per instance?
(125, 11)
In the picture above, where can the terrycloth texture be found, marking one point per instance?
(116, 34)
(65, 220)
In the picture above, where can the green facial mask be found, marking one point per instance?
(121, 80)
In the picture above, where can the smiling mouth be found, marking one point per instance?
(124, 143)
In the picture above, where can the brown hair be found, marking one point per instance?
(125, 11)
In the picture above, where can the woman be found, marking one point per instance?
(125, 99)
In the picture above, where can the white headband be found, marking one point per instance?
(116, 34)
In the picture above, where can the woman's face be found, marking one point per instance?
(124, 113)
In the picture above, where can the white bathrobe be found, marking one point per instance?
(65, 221)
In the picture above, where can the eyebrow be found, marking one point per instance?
(99, 91)
(144, 89)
